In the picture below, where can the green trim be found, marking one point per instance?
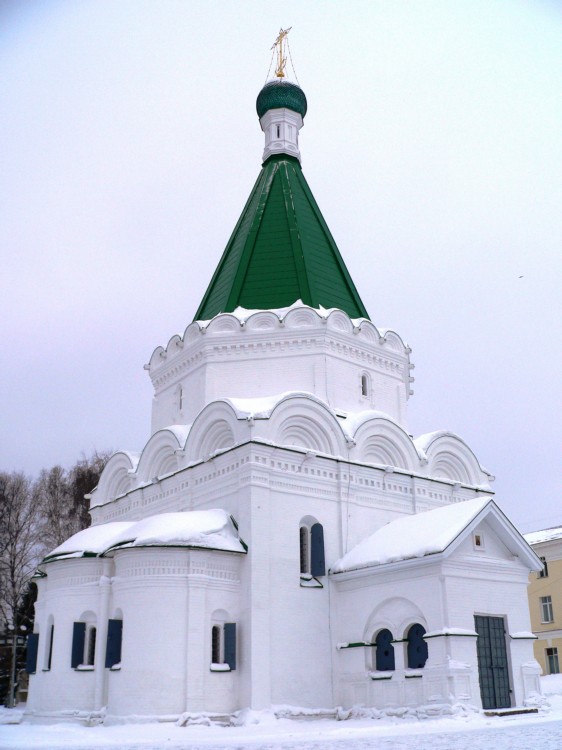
(119, 546)
(413, 676)
(451, 635)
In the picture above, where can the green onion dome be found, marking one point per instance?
(278, 94)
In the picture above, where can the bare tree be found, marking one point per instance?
(19, 550)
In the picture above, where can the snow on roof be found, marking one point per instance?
(211, 529)
(93, 540)
(546, 535)
(412, 536)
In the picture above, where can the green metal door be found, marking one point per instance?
(493, 668)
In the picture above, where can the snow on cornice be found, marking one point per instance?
(291, 317)
(208, 529)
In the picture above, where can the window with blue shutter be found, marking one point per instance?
(317, 561)
(230, 644)
(31, 654)
(417, 647)
(384, 651)
(78, 640)
(114, 640)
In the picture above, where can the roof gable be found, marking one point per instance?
(434, 532)
(281, 251)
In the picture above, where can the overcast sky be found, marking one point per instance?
(432, 143)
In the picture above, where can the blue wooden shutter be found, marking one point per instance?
(114, 638)
(31, 655)
(385, 651)
(230, 644)
(78, 638)
(317, 562)
(417, 647)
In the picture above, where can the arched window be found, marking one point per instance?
(311, 542)
(223, 643)
(384, 660)
(84, 641)
(417, 647)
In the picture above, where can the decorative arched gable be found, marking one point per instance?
(159, 455)
(449, 457)
(305, 422)
(214, 430)
(116, 478)
(379, 440)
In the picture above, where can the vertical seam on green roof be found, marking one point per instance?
(333, 247)
(246, 255)
(296, 242)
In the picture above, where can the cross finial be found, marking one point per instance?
(281, 60)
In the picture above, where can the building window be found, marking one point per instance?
(552, 660)
(384, 658)
(49, 650)
(544, 572)
(365, 386)
(223, 647)
(90, 645)
(278, 131)
(546, 609)
(83, 644)
(114, 641)
(180, 398)
(478, 540)
(311, 542)
(417, 647)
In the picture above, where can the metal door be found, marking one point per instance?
(493, 668)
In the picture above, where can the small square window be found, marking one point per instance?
(478, 540)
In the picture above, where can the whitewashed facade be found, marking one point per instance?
(291, 422)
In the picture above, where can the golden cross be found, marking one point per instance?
(281, 61)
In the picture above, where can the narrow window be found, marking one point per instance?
(223, 647)
(544, 572)
(304, 553)
(31, 654)
(417, 647)
(114, 639)
(384, 659)
(216, 645)
(49, 658)
(552, 660)
(90, 647)
(478, 541)
(180, 398)
(364, 385)
(546, 609)
(312, 558)
(278, 132)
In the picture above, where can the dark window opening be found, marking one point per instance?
(417, 647)
(384, 659)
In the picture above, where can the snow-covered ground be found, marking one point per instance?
(261, 731)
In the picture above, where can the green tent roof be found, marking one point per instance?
(281, 250)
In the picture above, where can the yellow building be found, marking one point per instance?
(545, 598)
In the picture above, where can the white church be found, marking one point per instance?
(281, 539)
